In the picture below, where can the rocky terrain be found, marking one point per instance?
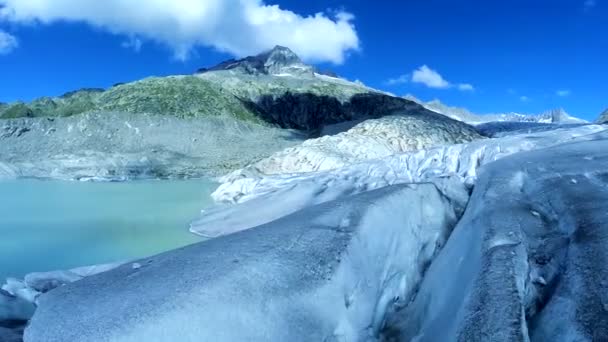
(121, 146)
(215, 121)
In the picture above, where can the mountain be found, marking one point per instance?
(274, 87)
(212, 122)
(462, 114)
(603, 118)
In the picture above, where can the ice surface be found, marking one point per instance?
(35, 284)
(499, 129)
(344, 255)
(528, 260)
(326, 273)
(369, 139)
(279, 195)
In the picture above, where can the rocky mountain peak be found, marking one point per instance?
(277, 61)
(280, 56)
(603, 118)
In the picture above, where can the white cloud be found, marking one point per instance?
(563, 93)
(524, 98)
(429, 78)
(466, 87)
(399, 80)
(238, 27)
(432, 79)
(8, 43)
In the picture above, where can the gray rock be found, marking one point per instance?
(279, 60)
(121, 146)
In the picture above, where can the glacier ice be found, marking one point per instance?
(370, 139)
(328, 272)
(35, 284)
(360, 253)
(527, 261)
(282, 194)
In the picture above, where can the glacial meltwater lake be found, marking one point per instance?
(53, 225)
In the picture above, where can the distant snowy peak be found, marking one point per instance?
(456, 113)
(277, 61)
(463, 114)
(603, 118)
(561, 116)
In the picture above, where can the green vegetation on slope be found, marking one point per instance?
(211, 94)
(182, 96)
(16, 110)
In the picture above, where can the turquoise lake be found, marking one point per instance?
(52, 225)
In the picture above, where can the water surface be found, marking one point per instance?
(50, 225)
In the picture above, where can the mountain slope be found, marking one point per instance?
(217, 120)
(274, 87)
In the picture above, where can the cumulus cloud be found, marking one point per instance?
(429, 78)
(238, 27)
(563, 93)
(466, 87)
(432, 79)
(524, 98)
(399, 80)
(8, 43)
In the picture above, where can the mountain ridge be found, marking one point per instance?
(558, 115)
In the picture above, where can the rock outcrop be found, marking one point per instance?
(603, 118)
(279, 60)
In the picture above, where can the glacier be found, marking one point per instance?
(248, 198)
(369, 139)
(327, 272)
(527, 262)
(494, 240)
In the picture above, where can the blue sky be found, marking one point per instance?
(488, 56)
